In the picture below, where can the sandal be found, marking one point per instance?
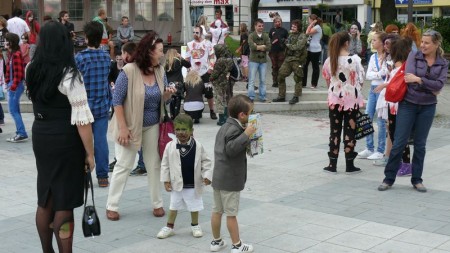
(103, 182)
(158, 212)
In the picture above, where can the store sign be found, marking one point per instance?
(268, 15)
(414, 1)
(210, 2)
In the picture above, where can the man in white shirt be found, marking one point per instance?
(17, 25)
(200, 53)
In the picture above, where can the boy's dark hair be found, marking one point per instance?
(218, 11)
(94, 33)
(125, 17)
(237, 104)
(184, 119)
(258, 21)
(298, 23)
(129, 47)
(13, 40)
(62, 13)
(17, 12)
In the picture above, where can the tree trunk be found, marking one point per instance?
(388, 11)
(254, 13)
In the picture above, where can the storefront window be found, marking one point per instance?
(422, 16)
(196, 12)
(30, 5)
(75, 9)
(95, 6)
(446, 12)
(144, 10)
(120, 8)
(52, 8)
(165, 10)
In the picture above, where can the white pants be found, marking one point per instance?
(125, 162)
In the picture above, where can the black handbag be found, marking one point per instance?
(364, 125)
(90, 220)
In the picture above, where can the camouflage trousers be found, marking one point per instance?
(223, 94)
(285, 70)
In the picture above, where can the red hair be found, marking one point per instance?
(142, 53)
(411, 31)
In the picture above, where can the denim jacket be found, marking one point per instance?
(433, 79)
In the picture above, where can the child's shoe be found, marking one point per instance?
(243, 248)
(165, 232)
(197, 231)
(405, 170)
(217, 245)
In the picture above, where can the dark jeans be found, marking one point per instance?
(406, 157)
(410, 116)
(347, 119)
(314, 58)
(277, 59)
(2, 114)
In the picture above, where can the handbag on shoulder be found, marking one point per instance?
(90, 220)
(165, 128)
(396, 89)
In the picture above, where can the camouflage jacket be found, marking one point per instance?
(222, 67)
(296, 48)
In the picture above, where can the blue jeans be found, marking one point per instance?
(101, 150)
(370, 110)
(410, 116)
(261, 68)
(14, 109)
(141, 159)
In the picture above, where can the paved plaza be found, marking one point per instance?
(288, 204)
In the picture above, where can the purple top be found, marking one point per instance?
(151, 103)
(433, 78)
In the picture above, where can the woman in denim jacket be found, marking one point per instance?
(425, 75)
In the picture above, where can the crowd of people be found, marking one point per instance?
(78, 97)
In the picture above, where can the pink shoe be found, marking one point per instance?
(404, 170)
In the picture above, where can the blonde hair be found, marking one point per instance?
(193, 78)
(436, 37)
(203, 20)
(171, 57)
(3, 22)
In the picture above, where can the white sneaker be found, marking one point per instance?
(197, 231)
(216, 246)
(375, 156)
(165, 232)
(244, 248)
(364, 154)
(381, 162)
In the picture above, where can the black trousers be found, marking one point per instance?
(342, 120)
(314, 58)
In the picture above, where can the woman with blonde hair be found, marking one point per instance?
(411, 31)
(174, 66)
(203, 23)
(344, 75)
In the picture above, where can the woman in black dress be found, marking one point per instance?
(62, 135)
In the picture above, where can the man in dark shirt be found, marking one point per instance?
(277, 35)
(64, 19)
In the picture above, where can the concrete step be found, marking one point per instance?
(307, 94)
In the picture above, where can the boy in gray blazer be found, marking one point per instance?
(230, 172)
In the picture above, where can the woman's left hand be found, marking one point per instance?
(412, 79)
(168, 91)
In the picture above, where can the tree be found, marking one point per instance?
(388, 11)
(253, 12)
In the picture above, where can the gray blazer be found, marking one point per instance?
(230, 157)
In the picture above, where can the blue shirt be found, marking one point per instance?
(152, 98)
(94, 66)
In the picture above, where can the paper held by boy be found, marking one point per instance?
(256, 146)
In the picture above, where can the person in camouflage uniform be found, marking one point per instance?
(296, 53)
(220, 80)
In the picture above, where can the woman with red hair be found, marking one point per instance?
(392, 29)
(411, 31)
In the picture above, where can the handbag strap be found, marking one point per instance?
(376, 61)
(87, 182)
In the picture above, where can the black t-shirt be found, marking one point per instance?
(187, 157)
(278, 33)
(245, 50)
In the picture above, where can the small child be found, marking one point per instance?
(230, 172)
(25, 49)
(185, 167)
(193, 100)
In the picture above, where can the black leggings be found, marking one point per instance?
(406, 157)
(314, 58)
(339, 119)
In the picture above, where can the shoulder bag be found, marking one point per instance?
(165, 128)
(90, 220)
(396, 89)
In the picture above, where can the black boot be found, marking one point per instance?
(349, 167)
(222, 119)
(294, 100)
(331, 168)
(212, 114)
(279, 99)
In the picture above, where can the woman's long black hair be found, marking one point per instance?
(54, 58)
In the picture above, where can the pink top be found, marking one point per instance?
(25, 47)
(345, 86)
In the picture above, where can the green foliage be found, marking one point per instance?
(232, 44)
(442, 25)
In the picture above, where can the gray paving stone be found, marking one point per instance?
(356, 240)
(289, 243)
(399, 247)
(329, 247)
(422, 238)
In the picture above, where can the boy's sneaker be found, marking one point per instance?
(197, 231)
(165, 232)
(364, 154)
(375, 156)
(217, 245)
(17, 138)
(139, 171)
(381, 162)
(243, 248)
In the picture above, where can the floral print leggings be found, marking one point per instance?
(339, 119)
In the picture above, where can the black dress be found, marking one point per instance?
(59, 153)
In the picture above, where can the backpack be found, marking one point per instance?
(235, 72)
